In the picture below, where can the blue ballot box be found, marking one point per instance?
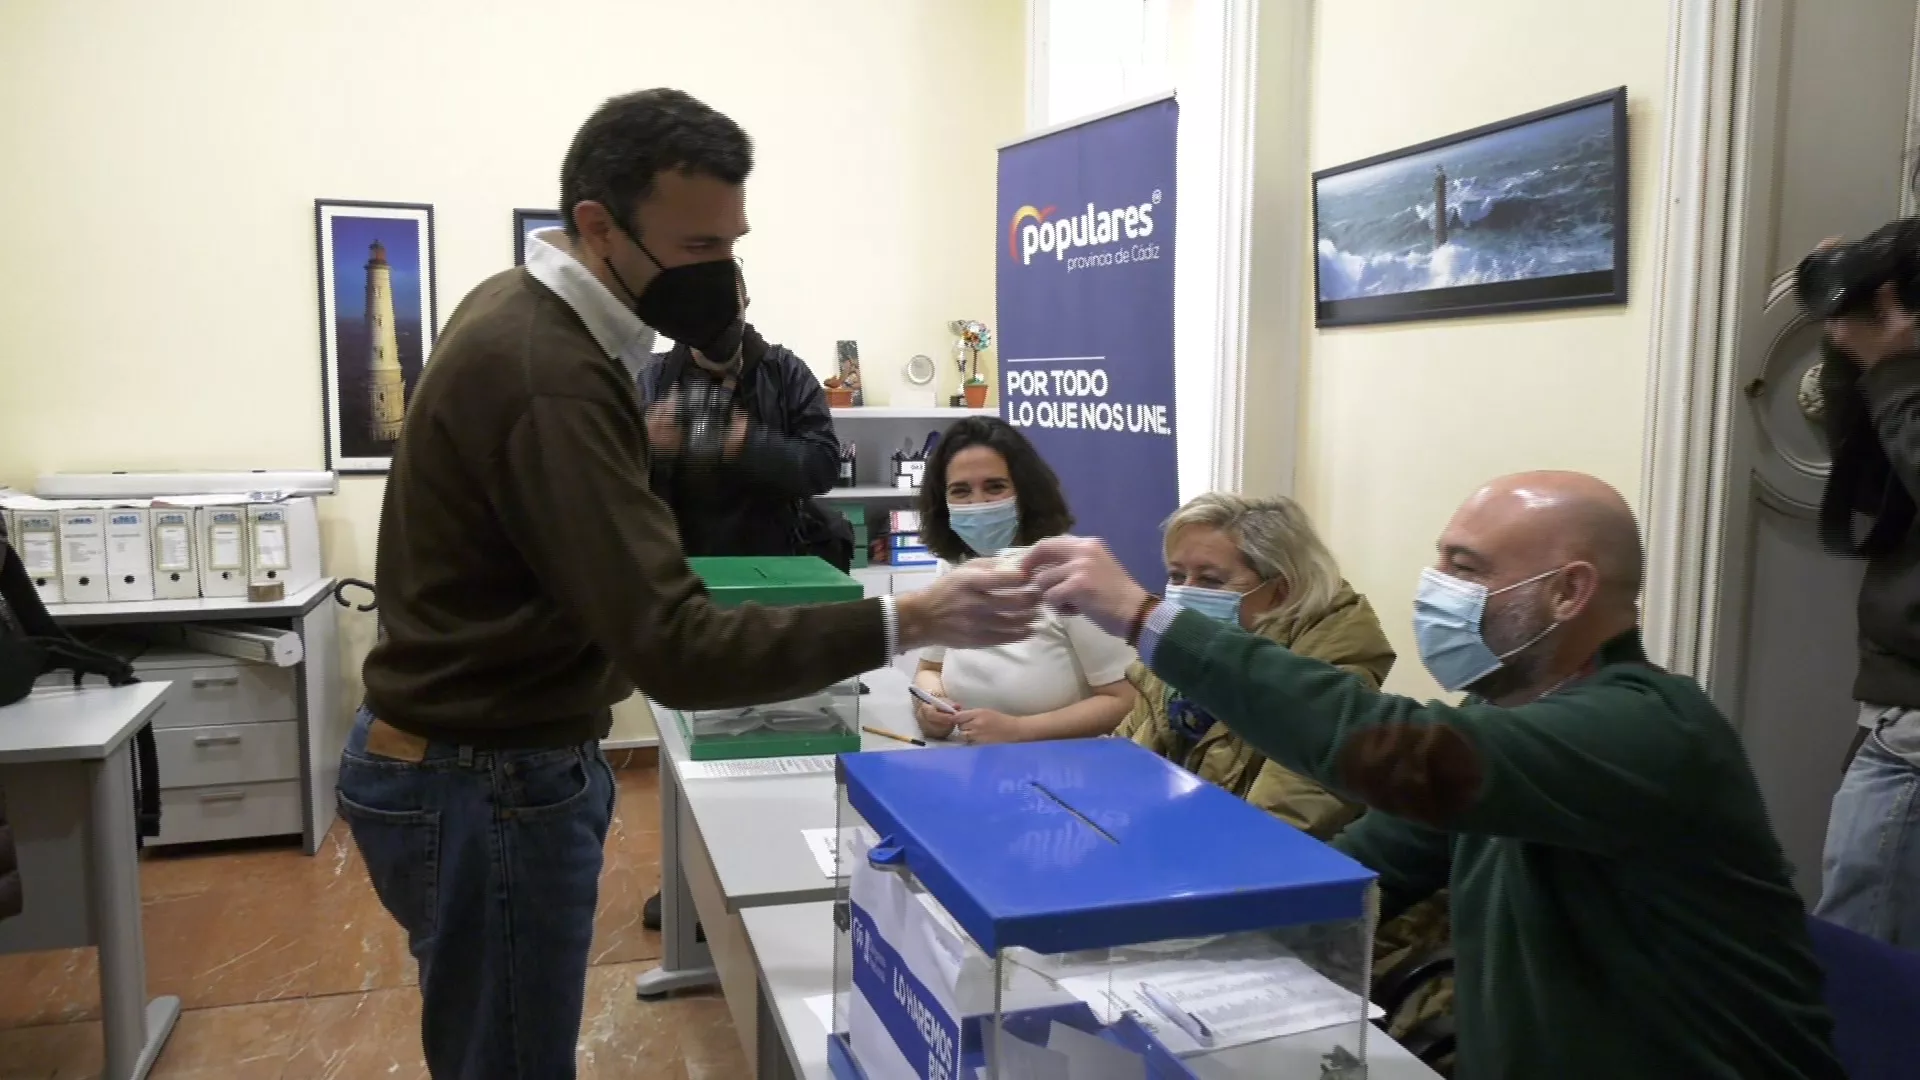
(1083, 909)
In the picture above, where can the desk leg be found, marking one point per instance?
(134, 1029)
(774, 1064)
(685, 963)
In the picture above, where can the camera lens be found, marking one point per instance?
(1820, 284)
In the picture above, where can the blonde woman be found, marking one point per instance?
(1258, 564)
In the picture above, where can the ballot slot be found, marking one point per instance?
(83, 555)
(176, 574)
(129, 542)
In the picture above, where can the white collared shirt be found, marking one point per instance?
(613, 325)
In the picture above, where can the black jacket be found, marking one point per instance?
(1873, 429)
(760, 503)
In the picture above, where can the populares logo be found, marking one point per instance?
(1035, 231)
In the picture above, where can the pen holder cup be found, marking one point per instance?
(1001, 914)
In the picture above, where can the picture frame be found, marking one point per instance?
(379, 318)
(1524, 214)
(527, 222)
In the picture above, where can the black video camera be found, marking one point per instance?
(1841, 280)
(705, 416)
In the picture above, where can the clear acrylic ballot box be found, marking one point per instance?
(1052, 911)
(827, 722)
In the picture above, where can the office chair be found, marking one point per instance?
(1433, 1038)
(1873, 991)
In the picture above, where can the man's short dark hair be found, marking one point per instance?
(635, 137)
(1043, 507)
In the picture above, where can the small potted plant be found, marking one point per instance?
(973, 338)
(976, 391)
(839, 394)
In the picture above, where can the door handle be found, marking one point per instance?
(216, 740)
(204, 683)
(223, 796)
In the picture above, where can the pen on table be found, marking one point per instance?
(1186, 1021)
(885, 734)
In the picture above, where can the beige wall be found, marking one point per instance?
(1401, 423)
(157, 292)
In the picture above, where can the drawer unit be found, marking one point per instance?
(232, 754)
(216, 691)
(229, 812)
(209, 691)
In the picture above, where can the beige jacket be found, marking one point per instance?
(1349, 637)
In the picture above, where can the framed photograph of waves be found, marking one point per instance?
(1528, 214)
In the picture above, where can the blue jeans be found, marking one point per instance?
(1870, 870)
(490, 861)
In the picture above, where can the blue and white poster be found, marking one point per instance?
(1085, 298)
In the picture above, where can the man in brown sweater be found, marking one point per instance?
(529, 579)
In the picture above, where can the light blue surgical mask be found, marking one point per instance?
(1220, 604)
(986, 528)
(1448, 617)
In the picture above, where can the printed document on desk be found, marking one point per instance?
(1246, 992)
(741, 768)
(832, 852)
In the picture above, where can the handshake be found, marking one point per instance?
(980, 605)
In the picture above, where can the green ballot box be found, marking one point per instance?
(826, 722)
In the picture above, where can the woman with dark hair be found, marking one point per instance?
(988, 494)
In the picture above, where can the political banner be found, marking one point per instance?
(1085, 297)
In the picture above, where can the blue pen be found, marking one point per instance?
(1184, 1020)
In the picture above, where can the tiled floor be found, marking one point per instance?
(289, 970)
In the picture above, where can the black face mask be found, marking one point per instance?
(697, 304)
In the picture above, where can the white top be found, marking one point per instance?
(1062, 662)
(65, 724)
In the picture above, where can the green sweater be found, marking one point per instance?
(1620, 905)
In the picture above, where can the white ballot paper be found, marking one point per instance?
(766, 766)
(1090, 1057)
(821, 1006)
(1245, 991)
(822, 843)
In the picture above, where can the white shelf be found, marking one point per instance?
(237, 607)
(876, 492)
(888, 412)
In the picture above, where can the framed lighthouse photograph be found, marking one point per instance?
(1526, 214)
(378, 319)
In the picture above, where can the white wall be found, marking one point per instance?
(1401, 423)
(157, 291)
(1090, 56)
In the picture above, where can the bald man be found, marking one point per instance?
(1620, 905)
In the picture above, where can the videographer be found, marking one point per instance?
(1870, 381)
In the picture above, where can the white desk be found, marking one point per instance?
(739, 818)
(794, 946)
(732, 860)
(744, 835)
(67, 773)
(727, 846)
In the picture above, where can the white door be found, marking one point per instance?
(1828, 130)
